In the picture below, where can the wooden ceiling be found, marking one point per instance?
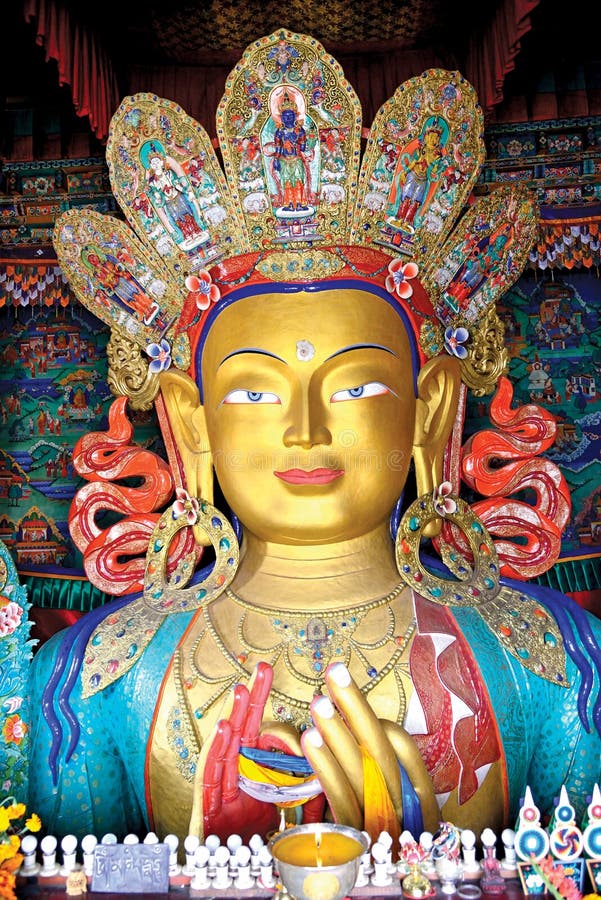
(192, 33)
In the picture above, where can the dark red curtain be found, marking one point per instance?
(85, 66)
(82, 64)
(491, 56)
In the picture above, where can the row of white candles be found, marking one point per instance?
(216, 865)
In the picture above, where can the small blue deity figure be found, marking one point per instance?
(289, 163)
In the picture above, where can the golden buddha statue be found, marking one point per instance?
(320, 664)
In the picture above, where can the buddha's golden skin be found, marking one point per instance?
(318, 383)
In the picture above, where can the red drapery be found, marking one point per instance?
(491, 56)
(82, 64)
(85, 66)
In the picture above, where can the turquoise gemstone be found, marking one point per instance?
(224, 544)
(158, 545)
(477, 527)
(201, 594)
(435, 591)
(550, 639)
(414, 523)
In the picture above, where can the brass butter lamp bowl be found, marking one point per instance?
(318, 861)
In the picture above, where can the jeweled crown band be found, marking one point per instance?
(335, 268)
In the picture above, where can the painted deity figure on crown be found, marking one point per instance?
(320, 662)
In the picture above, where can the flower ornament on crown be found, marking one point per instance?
(397, 219)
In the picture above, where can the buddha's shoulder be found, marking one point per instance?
(94, 637)
(545, 632)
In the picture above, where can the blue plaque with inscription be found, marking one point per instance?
(131, 868)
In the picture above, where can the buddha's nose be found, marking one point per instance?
(307, 428)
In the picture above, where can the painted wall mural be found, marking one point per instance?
(553, 334)
(53, 389)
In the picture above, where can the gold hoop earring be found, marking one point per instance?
(475, 584)
(168, 595)
(519, 622)
(122, 637)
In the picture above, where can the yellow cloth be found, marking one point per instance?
(379, 811)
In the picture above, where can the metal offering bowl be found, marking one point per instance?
(307, 879)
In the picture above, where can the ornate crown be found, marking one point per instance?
(299, 208)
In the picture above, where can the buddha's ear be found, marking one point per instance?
(436, 408)
(188, 424)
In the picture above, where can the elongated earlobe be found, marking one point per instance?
(187, 421)
(436, 407)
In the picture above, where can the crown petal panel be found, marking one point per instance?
(289, 127)
(482, 258)
(167, 179)
(116, 277)
(422, 159)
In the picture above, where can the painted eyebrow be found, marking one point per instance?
(256, 350)
(362, 347)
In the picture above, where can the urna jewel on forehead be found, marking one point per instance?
(296, 206)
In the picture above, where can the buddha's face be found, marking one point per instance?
(309, 404)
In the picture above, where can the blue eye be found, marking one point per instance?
(371, 389)
(240, 396)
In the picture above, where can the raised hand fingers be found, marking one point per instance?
(341, 742)
(244, 712)
(214, 752)
(366, 728)
(409, 755)
(240, 702)
(334, 782)
(259, 686)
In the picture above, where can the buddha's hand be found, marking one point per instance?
(220, 806)
(345, 731)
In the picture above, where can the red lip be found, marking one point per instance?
(313, 476)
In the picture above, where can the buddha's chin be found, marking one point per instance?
(297, 531)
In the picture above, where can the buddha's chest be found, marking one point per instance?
(412, 671)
